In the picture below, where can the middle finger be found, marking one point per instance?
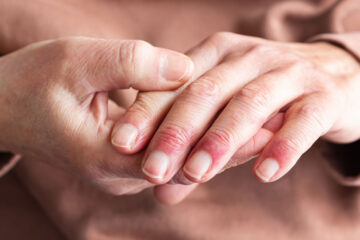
(193, 112)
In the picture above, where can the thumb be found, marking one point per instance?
(118, 64)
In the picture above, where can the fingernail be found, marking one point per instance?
(125, 136)
(198, 164)
(156, 165)
(176, 67)
(267, 169)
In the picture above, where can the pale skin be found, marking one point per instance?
(251, 81)
(146, 111)
(38, 20)
(55, 107)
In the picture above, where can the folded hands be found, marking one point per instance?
(233, 98)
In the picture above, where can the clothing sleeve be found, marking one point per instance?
(349, 41)
(7, 162)
(342, 161)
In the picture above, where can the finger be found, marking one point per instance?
(248, 151)
(251, 149)
(134, 130)
(173, 194)
(103, 65)
(240, 120)
(275, 123)
(193, 112)
(121, 186)
(305, 122)
(256, 144)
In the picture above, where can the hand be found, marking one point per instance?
(54, 105)
(240, 84)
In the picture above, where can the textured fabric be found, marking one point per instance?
(306, 204)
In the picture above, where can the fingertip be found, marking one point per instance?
(192, 177)
(266, 169)
(176, 67)
(124, 137)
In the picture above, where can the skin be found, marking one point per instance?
(54, 103)
(118, 26)
(314, 86)
(40, 20)
(55, 106)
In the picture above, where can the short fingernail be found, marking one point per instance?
(125, 136)
(156, 165)
(176, 67)
(198, 164)
(267, 169)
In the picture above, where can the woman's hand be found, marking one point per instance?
(242, 83)
(54, 105)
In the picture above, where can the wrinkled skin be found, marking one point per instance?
(54, 103)
(59, 21)
(241, 84)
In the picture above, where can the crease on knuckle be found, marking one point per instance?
(312, 114)
(288, 145)
(255, 97)
(222, 136)
(175, 136)
(204, 89)
(131, 58)
(142, 108)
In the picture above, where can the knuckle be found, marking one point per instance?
(289, 145)
(175, 136)
(220, 37)
(64, 50)
(261, 50)
(255, 96)
(206, 88)
(143, 107)
(222, 136)
(131, 55)
(298, 64)
(313, 114)
(70, 56)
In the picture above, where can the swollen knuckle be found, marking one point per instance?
(222, 136)
(175, 136)
(289, 144)
(313, 115)
(254, 95)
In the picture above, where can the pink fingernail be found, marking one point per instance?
(198, 164)
(267, 169)
(156, 165)
(125, 136)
